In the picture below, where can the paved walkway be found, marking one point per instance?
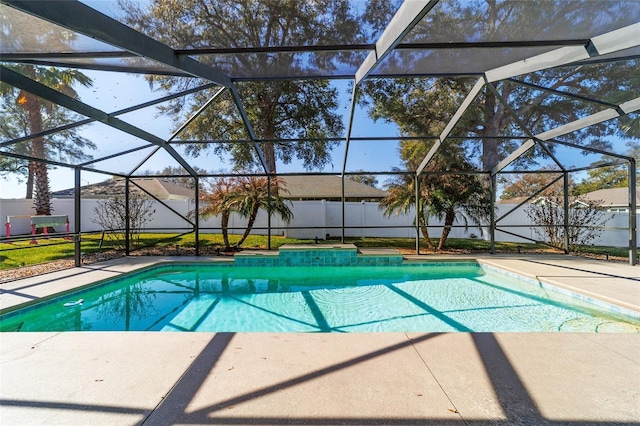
(325, 379)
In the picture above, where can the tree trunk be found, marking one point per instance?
(269, 155)
(425, 232)
(448, 222)
(492, 118)
(491, 128)
(29, 194)
(252, 219)
(224, 224)
(42, 199)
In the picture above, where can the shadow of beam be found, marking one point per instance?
(172, 409)
(178, 398)
(68, 406)
(512, 395)
(604, 274)
(387, 421)
(432, 311)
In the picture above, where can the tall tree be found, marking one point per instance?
(526, 184)
(365, 179)
(27, 114)
(609, 176)
(24, 113)
(303, 109)
(427, 104)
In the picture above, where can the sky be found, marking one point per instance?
(114, 91)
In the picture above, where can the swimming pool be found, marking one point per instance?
(420, 297)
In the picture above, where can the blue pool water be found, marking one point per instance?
(410, 298)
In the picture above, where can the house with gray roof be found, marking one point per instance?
(329, 188)
(308, 187)
(614, 200)
(162, 189)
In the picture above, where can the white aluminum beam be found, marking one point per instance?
(598, 117)
(623, 38)
(530, 143)
(554, 58)
(408, 15)
(451, 124)
(613, 41)
(630, 106)
(581, 123)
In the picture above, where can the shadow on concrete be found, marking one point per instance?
(66, 406)
(516, 404)
(514, 399)
(591, 272)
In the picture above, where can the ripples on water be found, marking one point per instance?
(316, 299)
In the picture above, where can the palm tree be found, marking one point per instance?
(61, 80)
(401, 199)
(214, 203)
(460, 198)
(251, 194)
(445, 196)
(245, 196)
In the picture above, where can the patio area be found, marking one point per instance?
(326, 379)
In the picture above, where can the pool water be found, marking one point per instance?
(449, 297)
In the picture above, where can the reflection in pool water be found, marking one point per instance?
(418, 298)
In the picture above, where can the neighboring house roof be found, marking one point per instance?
(161, 188)
(299, 187)
(611, 197)
(514, 200)
(321, 187)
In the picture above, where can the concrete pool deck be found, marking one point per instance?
(81, 378)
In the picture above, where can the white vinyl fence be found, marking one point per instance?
(311, 219)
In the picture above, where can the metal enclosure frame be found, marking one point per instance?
(82, 19)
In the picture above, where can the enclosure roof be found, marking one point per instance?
(427, 39)
(443, 41)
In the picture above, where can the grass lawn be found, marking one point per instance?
(23, 253)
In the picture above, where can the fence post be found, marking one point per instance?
(492, 213)
(633, 211)
(363, 219)
(33, 234)
(565, 191)
(324, 219)
(418, 212)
